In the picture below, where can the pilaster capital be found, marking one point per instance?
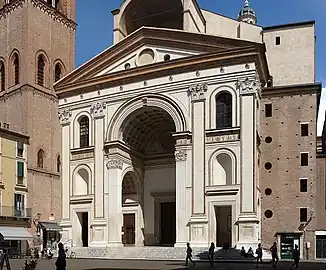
(114, 163)
(180, 155)
(249, 85)
(197, 92)
(98, 110)
(65, 116)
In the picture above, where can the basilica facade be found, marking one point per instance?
(192, 127)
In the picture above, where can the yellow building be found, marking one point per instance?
(15, 217)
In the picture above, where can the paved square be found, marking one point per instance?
(84, 264)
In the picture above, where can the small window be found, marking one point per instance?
(278, 40)
(268, 165)
(20, 149)
(20, 173)
(303, 185)
(167, 57)
(58, 164)
(268, 191)
(57, 72)
(84, 132)
(304, 159)
(40, 158)
(268, 139)
(304, 130)
(268, 110)
(40, 70)
(303, 215)
(268, 213)
(16, 69)
(2, 76)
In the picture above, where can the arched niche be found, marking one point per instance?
(81, 181)
(160, 14)
(223, 169)
(130, 189)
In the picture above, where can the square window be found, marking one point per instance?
(303, 185)
(304, 130)
(278, 40)
(303, 215)
(268, 110)
(304, 159)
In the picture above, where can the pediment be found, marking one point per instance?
(149, 46)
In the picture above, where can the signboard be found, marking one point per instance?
(288, 242)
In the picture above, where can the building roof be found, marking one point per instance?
(289, 25)
(10, 133)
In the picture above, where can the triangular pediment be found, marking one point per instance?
(150, 46)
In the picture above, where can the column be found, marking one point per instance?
(182, 216)
(99, 222)
(198, 220)
(248, 222)
(65, 119)
(115, 165)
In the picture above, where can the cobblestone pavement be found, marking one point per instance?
(82, 264)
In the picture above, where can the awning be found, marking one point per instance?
(50, 226)
(14, 233)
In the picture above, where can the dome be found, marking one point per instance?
(247, 14)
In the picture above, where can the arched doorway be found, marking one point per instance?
(148, 134)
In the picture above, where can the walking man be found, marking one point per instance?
(259, 252)
(211, 255)
(189, 255)
(296, 257)
(273, 249)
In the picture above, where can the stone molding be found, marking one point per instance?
(248, 86)
(43, 6)
(98, 109)
(197, 92)
(114, 163)
(223, 138)
(64, 116)
(180, 155)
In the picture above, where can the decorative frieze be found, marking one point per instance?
(114, 163)
(64, 116)
(197, 92)
(98, 109)
(248, 85)
(222, 138)
(180, 155)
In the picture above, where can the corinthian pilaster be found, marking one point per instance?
(65, 116)
(249, 86)
(180, 155)
(98, 110)
(197, 92)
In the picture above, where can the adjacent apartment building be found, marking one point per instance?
(15, 216)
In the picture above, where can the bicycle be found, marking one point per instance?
(71, 254)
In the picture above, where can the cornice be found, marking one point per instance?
(182, 65)
(24, 88)
(43, 6)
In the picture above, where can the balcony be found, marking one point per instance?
(12, 212)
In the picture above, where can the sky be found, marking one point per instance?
(95, 24)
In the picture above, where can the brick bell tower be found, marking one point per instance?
(37, 48)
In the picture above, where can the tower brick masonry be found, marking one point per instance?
(37, 48)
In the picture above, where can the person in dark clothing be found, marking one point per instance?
(61, 260)
(259, 252)
(189, 255)
(211, 254)
(296, 256)
(273, 249)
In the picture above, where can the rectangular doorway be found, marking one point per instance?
(128, 237)
(83, 219)
(168, 224)
(223, 215)
(321, 247)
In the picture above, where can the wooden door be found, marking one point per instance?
(128, 229)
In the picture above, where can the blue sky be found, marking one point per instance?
(95, 23)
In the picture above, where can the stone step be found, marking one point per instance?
(158, 253)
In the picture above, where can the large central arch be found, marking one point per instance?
(146, 125)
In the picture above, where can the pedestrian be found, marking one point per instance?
(189, 255)
(61, 263)
(259, 252)
(296, 257)
(211, 254)
(273, 249)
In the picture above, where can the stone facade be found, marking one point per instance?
(34, 28)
